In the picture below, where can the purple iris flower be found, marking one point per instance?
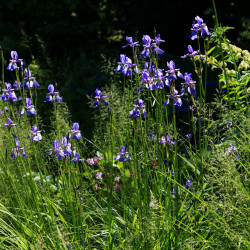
(131, 43)
(62, 151)
(147, 79)
(189, 83)
(30, 108)
(76, 157)
(52, 96)
(171, 72)
(99, 97)
(67, 147)
(126, 66)
(169, 141)
(134, 113)
(156, 49)
(191, 53)
(8, 94)
(17, 86)
(13, 62)
(140, 106)
(122, 156)
(36, 134)
(76, 132)
(158, 39)
(152, 82)
(159, 78)
(30, 80)
(16, 151)
(58, 150)
(9, 123)
(148, 46)
(137, 107)
(199, 27)
(177, 99)
(188, 184)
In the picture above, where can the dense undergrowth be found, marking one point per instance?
(167, 166)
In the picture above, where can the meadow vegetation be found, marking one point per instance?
(165, 167)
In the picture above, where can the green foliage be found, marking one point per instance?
(182, 193)
(234, 65)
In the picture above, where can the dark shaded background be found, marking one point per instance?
(66, 37)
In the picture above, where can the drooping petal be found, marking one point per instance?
(145, 52)
(59, 99)
(119, 67)
(96, 104)
(117, 157)
(50, 153)
(31, 111)
(21, 112)
(38, 137)
(13, 155)
(177, 102)
(167, 102)
(192, 90)
(48, 98)
(158, 50)
(183, 90)
(122, 159)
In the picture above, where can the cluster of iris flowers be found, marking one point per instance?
(64, 149)
(152, 77)
(9, 95)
